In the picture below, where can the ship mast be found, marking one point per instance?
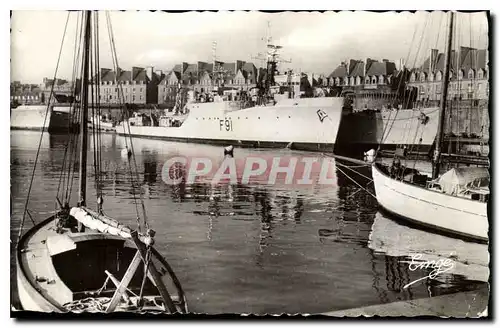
(84, 112)
(442, 105)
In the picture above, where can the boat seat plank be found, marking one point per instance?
(38, 266)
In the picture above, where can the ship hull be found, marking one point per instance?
(389, 129)
(305, 124)
(433, 210)
(32, 117)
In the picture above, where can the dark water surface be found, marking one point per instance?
(254, 248)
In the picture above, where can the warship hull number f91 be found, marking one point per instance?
(226, 125)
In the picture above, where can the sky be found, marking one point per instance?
(314, 42)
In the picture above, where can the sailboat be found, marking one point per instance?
(454, 202)
(79, 259)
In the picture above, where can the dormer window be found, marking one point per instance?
(460, 74)
(367, 80)
(381, 79)
(470, 75)
(431, 77)
(480, 74)
(412, 77)
(439, 76)
(422, 77)
(374, 80)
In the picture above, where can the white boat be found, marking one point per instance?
(80, 260)
(102, 123)
(454, 202)
(305, 124)
(33, 117)
(464, 215)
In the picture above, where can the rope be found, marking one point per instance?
(115, 60)
(360, 186)
(41, 134)
(350, 168)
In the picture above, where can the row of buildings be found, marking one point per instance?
(22, 94)
(469, 76)
(469, 80)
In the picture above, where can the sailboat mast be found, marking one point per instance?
(84, 113)
(442, 105)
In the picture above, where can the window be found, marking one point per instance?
(140, 90)
(470, 75)
(422, 77)
(439, 76)
(133, 98)
(110, 97)
(116, 89)
(438, 88)
(480, 74)
(412, 77)
(431, 77)
(381, 79)
(133, 89)
(367, 80)
(460, 74)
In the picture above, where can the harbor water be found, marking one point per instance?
(256, 247)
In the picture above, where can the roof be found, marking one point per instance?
(141, 76)
(177, 68)
(359, 69)
(229, 67)
(340, 71)
(108, 76)
(125, 76)
(381, 68)
(469, 58)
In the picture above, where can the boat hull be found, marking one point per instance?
(30, 298)
(304, 125)
(440, 212)
(32, 117)
(389, 129)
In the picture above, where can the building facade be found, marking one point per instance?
(468, 76)
(139, 86)
(23, 94)
(371, 81)
(204, 77)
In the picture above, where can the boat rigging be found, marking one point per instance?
(82, 260)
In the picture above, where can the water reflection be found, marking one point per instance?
(397, 242)
(268, 248)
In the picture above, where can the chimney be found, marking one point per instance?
(401, 64)
(433, 59)
(149, 73)
(159, 73)
(385, 60)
